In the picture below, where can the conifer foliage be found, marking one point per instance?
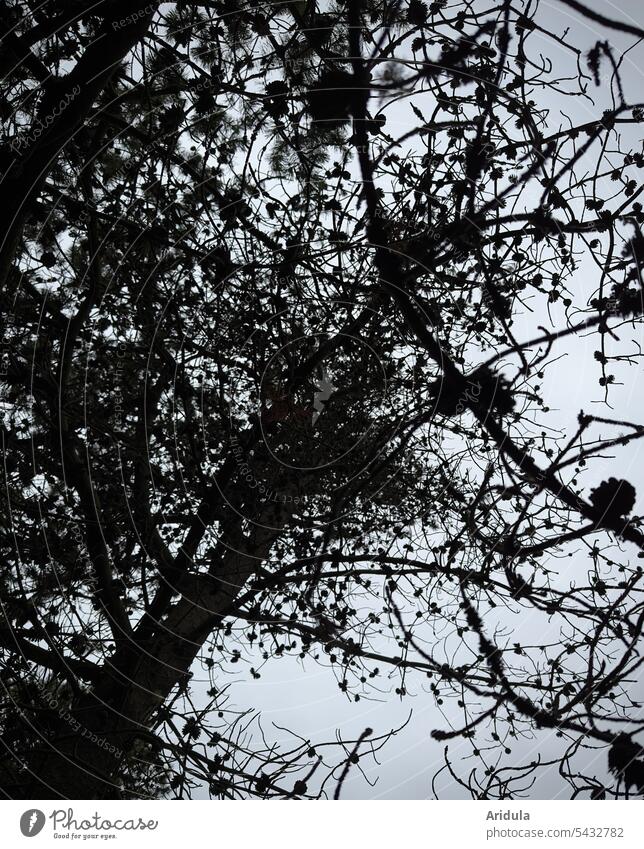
(287, 291)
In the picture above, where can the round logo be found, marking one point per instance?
(32, 822)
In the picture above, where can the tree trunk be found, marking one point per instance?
(76, 765)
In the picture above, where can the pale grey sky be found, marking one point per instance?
(306, 698)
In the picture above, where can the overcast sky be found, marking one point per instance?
(306, 698)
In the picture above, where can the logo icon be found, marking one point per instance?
(32, 822)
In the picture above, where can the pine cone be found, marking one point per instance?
(613, 498)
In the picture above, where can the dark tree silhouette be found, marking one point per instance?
(284, 289)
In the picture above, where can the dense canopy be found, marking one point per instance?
(287, 290)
